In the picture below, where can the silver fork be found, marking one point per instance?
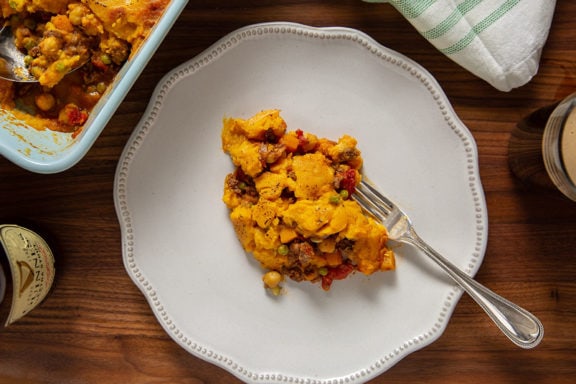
(519, 325)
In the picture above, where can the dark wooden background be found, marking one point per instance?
(96, 327)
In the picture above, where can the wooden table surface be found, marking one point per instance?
(96, 326)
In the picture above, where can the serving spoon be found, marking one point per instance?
(12, 65)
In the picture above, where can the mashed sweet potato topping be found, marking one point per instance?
(58, 36)
(290, 203)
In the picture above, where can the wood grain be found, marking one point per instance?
(96, 327)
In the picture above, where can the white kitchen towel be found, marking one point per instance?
(499, 41)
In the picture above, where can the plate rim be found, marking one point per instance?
(212, 53)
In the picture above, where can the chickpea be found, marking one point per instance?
(36, 71)
(50, 46)
(92, 26)
(28, 43)
(272, 279)
(45, 101)
(77, 12)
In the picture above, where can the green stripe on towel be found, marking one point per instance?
(410, 8)
(481, 26)
(451, 20)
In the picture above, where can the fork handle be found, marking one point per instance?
(519, 325)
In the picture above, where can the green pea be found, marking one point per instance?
(30, 23)
(101, 87)
(29, 44)
(28, 60)
(344, 194)
(334, 199)
(60, 66)
(105, 59)
(283, 250)
(322, 271)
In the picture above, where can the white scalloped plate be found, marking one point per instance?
(180, 248)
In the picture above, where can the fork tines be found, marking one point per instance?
(372, 201)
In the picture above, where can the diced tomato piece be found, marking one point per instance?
(342, 271)
(349, 181)
(339, 272)
(326, 282)
(302, 140)
(98, 63)
(71, 114)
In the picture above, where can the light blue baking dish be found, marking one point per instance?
(45, 151)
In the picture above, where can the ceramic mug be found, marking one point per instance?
(559, 146)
